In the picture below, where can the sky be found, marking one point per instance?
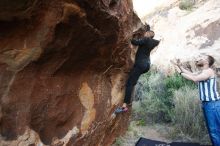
(142, 7)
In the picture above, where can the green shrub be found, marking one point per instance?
(176, 81)
(170, 99)
(118, 142)
(186, 4)
(155, 93)
(141, 123)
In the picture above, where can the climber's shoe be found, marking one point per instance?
(121, 110)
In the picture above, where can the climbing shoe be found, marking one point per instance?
(121, 110)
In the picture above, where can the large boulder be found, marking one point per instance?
(63, 66)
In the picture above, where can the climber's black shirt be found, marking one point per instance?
(145, 46)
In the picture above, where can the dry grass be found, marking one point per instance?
(189, 124)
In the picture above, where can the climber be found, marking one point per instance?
(142, 63)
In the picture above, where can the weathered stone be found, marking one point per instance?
(63, 66)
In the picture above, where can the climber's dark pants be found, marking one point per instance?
(139, 68)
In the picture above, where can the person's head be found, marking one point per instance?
(149, 34)
(205, 60)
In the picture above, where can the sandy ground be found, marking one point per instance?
(156, 132)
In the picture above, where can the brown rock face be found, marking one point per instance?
(63, 68)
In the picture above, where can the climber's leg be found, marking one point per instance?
(131, 82)
(139, 68)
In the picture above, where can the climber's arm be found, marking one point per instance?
(138, 42)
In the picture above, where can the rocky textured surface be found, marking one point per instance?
(185, 34)
(63, 67)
